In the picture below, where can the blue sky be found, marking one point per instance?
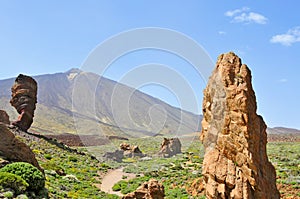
(39, 37)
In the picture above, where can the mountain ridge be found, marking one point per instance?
(55, 108)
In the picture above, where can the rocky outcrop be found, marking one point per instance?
(170, 147)
(13, 149)
(127, 150)
(235, 162)
(24, 99)
(131, 151)
(148, 190)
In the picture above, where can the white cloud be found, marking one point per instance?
(287, 39)
(222, 32)
(231, 13)
(244, 16)
(283, 80)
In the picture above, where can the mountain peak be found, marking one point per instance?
(74, 70)
(72, 73)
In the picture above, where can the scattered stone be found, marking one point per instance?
(235, 162)
(147, 158)
(24, 99)
(148, 190)
(170, 147)
(71, 178)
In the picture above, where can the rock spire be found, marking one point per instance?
(235, 162)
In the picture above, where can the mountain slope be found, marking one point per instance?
(99, 106)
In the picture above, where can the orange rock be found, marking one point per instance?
(148, 190)
(235, 163)
(14, 150)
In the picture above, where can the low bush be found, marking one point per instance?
(13, 181)
(73, 159)
(28, 172)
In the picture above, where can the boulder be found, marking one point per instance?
(15, 150)
(235, 162)
(170, 147)
(148, 190)
(24, 99)
(131, 151)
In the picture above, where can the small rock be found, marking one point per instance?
(71, 178)
(150, 190)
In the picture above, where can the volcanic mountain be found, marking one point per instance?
(86, 103)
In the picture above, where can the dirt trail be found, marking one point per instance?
(112, 177)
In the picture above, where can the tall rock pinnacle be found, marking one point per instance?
(24, 99)
(235, 162)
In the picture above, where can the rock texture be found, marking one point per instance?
(24, 98)
(13, 149)
(148, 190)
(4, 118)
(235, 162)
(170, 147)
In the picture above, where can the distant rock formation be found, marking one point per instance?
(131, 151)
(235, 162)
(13, 149)
(24, 98)
(148, 190)
(170, 147)
(127, 150)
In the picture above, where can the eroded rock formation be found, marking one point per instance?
(24, 98)
(148, 190)
(12, 149)
(126, 150)
(131, 150)
(15, 150)
(170, 147)
(235, 162)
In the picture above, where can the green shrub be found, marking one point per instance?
(15, 182)
(28, 172)
(73, 159)
(8, 194)
(116, 187)
(48, 156)
(52, 165)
